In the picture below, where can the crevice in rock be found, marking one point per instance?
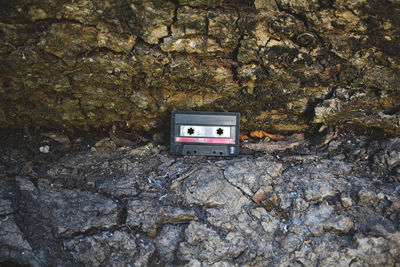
(83, 112)
(90, 232)
(131, 52)
(324, 4)
(123, 15)
(11, 263)
(236, 186)
(205, 221)
(302, 17)
(309, 113)
(63, 21)
(234, 69)
(156, 260)
(174, 20)
(100, 51)
(350, 10)
(280, 8)
(141, 41)
(235, 52)
(393, 111)
(51, 56)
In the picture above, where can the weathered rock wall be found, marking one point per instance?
(287, 66)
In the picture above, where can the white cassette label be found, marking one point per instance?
(205, 131)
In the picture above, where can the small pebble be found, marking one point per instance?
(44, 149)
(109, 234)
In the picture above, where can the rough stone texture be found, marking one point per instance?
(148, 215)
(287, 66)
(70, 212)
(167, 241)
(116, 248)
(13, 245)
(98, 205)
(339, 224)
(387, 159)
(5, 207)
(251, 175)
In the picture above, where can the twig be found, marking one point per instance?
(178, 180)
(186, 175)
(350, 207)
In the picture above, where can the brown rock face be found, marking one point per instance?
(287, 66)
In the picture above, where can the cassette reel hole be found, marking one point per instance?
(220, 131)
(190, 131)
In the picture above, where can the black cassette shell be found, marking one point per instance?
(205, 133)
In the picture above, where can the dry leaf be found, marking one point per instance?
(307, 242)
(274, 137)
(257, 134)
(260, 195)
(105, 142)
(28, 168)
(243, 136)
(60, 138)
(261, 134)
(265, 197)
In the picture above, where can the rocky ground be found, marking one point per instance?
(90, 202)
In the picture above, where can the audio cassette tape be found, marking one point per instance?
(205, 133)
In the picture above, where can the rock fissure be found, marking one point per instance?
(236, 186)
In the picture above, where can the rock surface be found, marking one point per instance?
(138, 206)
(287, 66)
(69, 211)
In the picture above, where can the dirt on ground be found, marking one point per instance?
(87, 201)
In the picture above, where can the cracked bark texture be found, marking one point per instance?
(287, 66)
